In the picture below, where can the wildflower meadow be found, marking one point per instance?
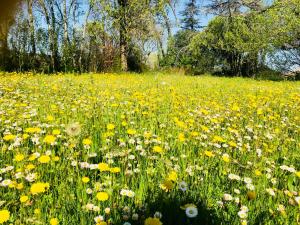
(100, 149)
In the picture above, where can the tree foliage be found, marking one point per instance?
(84, 35)
(190, 14)
(244, 38)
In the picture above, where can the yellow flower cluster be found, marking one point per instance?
(128, 149)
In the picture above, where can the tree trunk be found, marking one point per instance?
(53, 38)
(74, 47)
(4, 51)
(123, 35)
(31, 27)
(123, 52)
(65, 37)
(167, 24)
(83, 38)
(51, 31)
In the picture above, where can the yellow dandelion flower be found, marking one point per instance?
(103, 167)
(56, 132)
(180, 124)
(217, 139)
(32, 130)
(204, 128)
(49, 139)
(20, 186)
(226, 158)
(102, 223)
(24, 198)
(131, 131)
(102, 196)
(157, 149)
(257, 173)
(86, 141)
(235, 107)
(50, 118)
(195, 134)
(54, 221)
(167, 185)
(172, 176)
(25, 136)
(85, 179)
(115, 170)
(32, 157)
(152, 221)
(110, 126)
(9, 137)
(147, 134)
(181, 137)
(232, 144)
(12, 184)
(108, 134)
(209, 153)
(44, 159)
(56, 158)
(259, 111)
(4, 216)
(38, 188)
(19, 157)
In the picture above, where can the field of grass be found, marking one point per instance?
(148, 150)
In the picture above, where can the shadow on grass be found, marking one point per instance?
(173, 213)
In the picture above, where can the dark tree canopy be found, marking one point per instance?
(243, 37)
(190, 14)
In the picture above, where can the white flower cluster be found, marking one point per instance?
(128, 193)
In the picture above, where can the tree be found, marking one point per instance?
(31, 26)
(243, 43)
(282, 22)
(178, 52)
(7, 13)
(123, 7)
(134, 20)
(48, 10)
(233, 7)
(190, 15)
(229, 36)
(232, 43)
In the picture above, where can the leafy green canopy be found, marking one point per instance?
(240, 43)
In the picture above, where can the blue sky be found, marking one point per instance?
(204, 18)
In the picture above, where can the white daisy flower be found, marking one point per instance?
(191, 212)
(183, 186)
(242, 214)
(227, 197)
(99, 219)
(158, 215)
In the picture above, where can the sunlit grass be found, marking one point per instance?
(148, 149)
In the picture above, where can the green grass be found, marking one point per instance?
(206, 128)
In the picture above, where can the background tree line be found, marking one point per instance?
(244, 38)
(81, 35)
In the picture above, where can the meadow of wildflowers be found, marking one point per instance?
(148, 150)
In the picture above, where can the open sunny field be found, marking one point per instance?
(149, 150)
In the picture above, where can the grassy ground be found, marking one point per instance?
(110, 149)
